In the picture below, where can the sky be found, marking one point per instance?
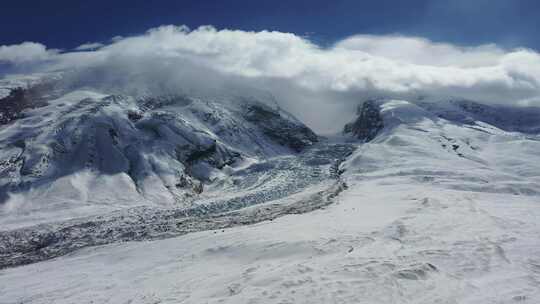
(318, 59)
(65, 24)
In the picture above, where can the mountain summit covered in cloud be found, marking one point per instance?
(231, 166)
(300, 73)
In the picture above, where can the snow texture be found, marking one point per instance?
(82, 152)
(440, 206)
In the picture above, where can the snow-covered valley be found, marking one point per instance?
(419, 202)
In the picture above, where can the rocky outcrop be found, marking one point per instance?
(22, 96)
(19, 99)
(284, 131)
(368, 124)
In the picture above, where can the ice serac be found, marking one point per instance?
(369, 122)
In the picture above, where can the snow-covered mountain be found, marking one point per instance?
(83, 152)
(419, 201)
(456, 143)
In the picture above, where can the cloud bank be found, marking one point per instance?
(313, 81)
(25, 52)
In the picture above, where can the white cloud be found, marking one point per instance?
(116, 38)
(89, 46)
(303, 75)
(25, 52)
(421, 51)
(385, 65)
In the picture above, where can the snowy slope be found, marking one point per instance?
(83, 152)
(418, 141)
(441, 207)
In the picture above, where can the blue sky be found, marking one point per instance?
(67, 23)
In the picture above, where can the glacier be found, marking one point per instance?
(427, 200)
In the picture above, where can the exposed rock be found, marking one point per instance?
(283, 131)
(134, 116)
(19, 99)
(368, 124)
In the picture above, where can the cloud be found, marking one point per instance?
(377, 64)
(421, 51)
(310, 80)
(89, 46)
(25, 52)
(116, 38)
